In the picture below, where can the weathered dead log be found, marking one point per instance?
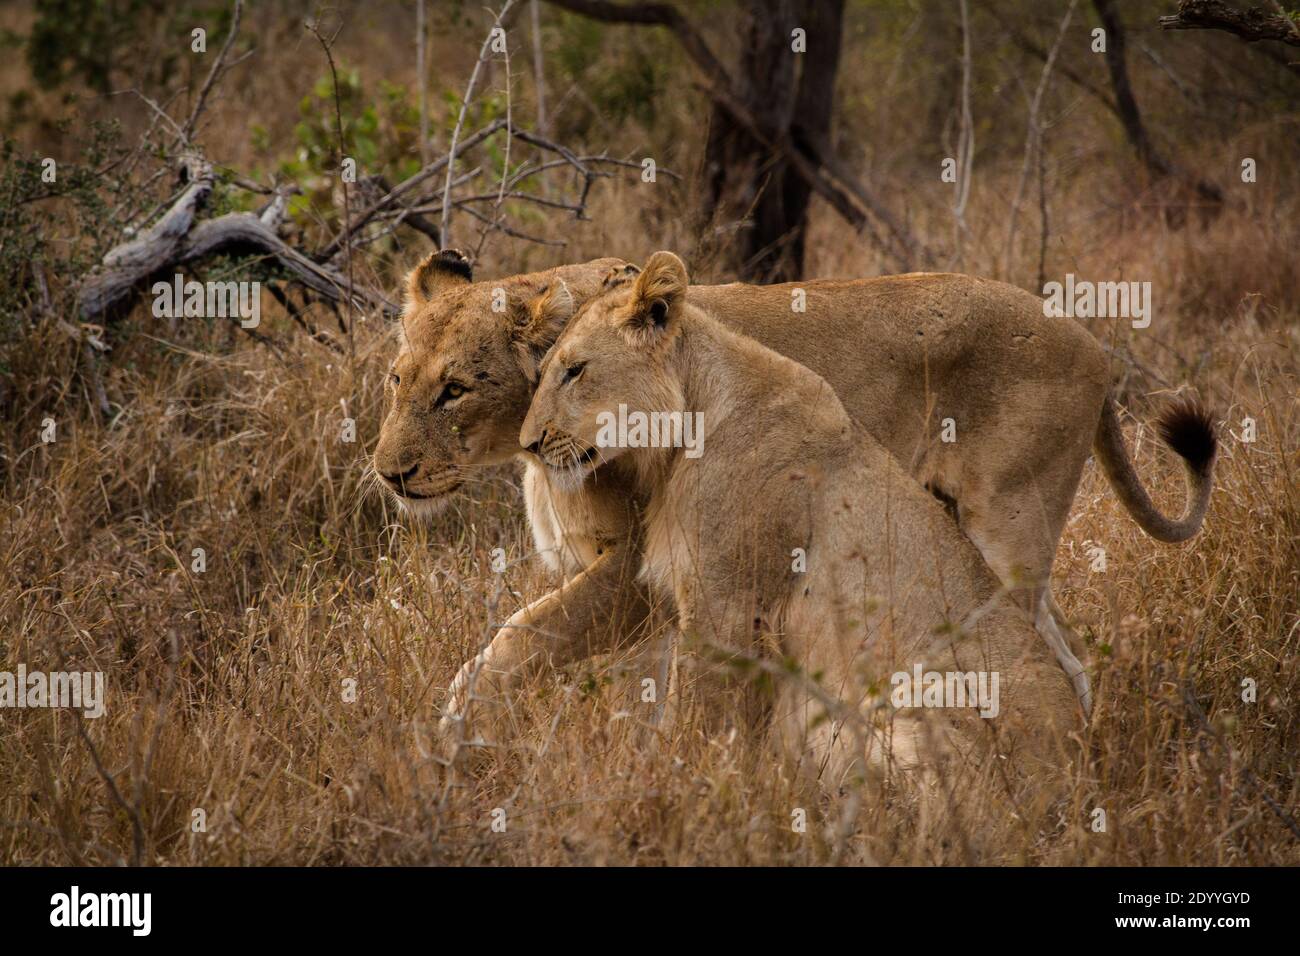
(176, 240)
(243, 232)
(151, 255)
(152, 250)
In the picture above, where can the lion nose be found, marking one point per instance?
(403, 477)
(536, 447)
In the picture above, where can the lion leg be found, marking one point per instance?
(588, 615)
(845, 746)
(1063, 622)
(666, 679)
(1029, 583)
(1017, 535)
(719, 660)
(1050, 630)
(1013, 504)
(828, 722)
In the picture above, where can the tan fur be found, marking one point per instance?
(452, 334)
(903, 353)
(890, 582)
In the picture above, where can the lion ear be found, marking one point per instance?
(546, 315)
(659, 288)
(540, 323)
(438, 272)
(617, 275)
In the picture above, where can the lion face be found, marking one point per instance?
(460, 385)
(614, 359)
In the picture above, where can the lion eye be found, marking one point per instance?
(573, 371)
(395, 378)
(453, 391)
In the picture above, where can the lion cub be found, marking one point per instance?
(789, 538)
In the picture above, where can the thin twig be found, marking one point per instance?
(1034, 132)
(188, 129)
(444, 226)
(314, 27)
(965, 139)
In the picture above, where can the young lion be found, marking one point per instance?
(891, 588)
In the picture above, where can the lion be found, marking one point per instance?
(916, 359)
(743, 457)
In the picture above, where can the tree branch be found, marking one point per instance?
(129, 266)
(402, 189)
(655, 14)
(147, 253)
(1252, 24)
(445, 225)
(188, 130)
(1034, 49)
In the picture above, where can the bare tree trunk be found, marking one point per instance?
(745, 181)
(758, 137)
(814, 106)
(791, 95)
(1126, 107)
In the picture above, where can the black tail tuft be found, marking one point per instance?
(1187, 428)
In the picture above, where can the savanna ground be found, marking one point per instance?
(225, 689)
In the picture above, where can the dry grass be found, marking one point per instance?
(225, 689)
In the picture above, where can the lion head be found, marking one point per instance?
(463, 377)
(619, 350)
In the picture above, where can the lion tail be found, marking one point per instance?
(1186, 427)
